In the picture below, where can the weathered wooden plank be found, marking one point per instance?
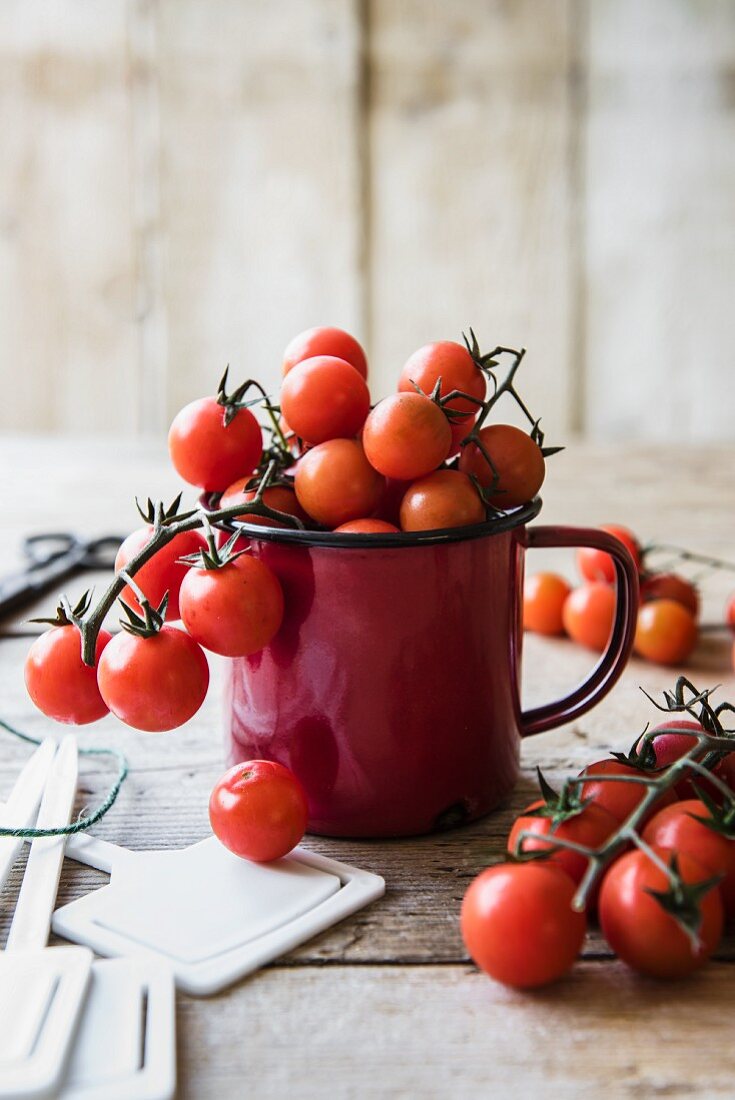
(447, 1031)
(259, 108)
(660, 225)
(470, 189)
(67, 264)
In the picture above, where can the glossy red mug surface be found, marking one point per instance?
(392, 687)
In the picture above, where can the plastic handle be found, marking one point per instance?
(608, 669)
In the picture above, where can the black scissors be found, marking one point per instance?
(52, 557)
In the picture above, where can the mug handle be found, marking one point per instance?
(620, 643)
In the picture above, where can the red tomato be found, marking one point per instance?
(59, 682)
(518, 923)
(668, 747)
(668, 586)
(597, 565)
(281, 498)
(210, 453)
(445, 498)
(406, 436)
(368, 527)
(665, 633)
(677, 828)
(325, 341)
(324, 398)
(156, 683)
(590, 827)
(638, 928)
(588, 614)
(618, 798)
(335, 483)
(456, 368)
(544, 596)
(730, 612)
(162, 573)
(517, 459)
(258, 810)
(235, 610)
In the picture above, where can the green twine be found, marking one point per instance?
(81, 823)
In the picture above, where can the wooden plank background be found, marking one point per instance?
(185, 183)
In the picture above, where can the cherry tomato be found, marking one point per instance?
(156, 683)
(324, 398)
(677, 827)
(258, 810)
(162, 573)
(638, 928)
(619, 798)
(518, 924)
(281, 498)
(406, 436)
(235, 610)
(325, 341)
(446, 498)
(517, 460)
(591, 827)
(335, 482)
(210, 453)
(544, 596)
(368, 527)
(665, 633)
(669, 746)
(668, 586)
(453, 364)
(597, 565)
(588, 614)
(730, 612)
(59, 682)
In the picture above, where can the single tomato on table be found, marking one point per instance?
(259, 810)
(598, 565)
(588, 614)
(544, 596)
(665, 633)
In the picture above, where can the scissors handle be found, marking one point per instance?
(20, 589)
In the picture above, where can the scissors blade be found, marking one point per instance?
(20, 810)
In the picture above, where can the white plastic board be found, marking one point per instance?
(125, 1048)
(211, 916)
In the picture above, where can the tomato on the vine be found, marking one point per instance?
(588, 614)
(368, 527)
(689, 827)
(590, 826)
(59, 682)
(406, 436)
(445, 498)
(598, 565)
(519, 466)
(638, 928)
(325, 341)
(162, 573)
(281, 498)
(324, 398)
(234, 609)
(518, 923)
(335, 483)
(544, 596)
(618, 797)
(669, 586)
(209, 452)
(154, 683)
(665, 633)
(258, 810)
(453, 364)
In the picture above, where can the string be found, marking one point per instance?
(84, 822)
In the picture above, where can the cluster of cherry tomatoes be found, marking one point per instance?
(420, 459)
(667, 627)
(661, 906)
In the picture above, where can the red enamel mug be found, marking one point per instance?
(392, 687)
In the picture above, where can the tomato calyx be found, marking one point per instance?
(721, 817)
(682, 900)
(214, 557)
(233, 402)
(158, 515)
(151, 621)
(66, 615)
(558, 807)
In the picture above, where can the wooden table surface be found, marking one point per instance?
(387, 1003)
